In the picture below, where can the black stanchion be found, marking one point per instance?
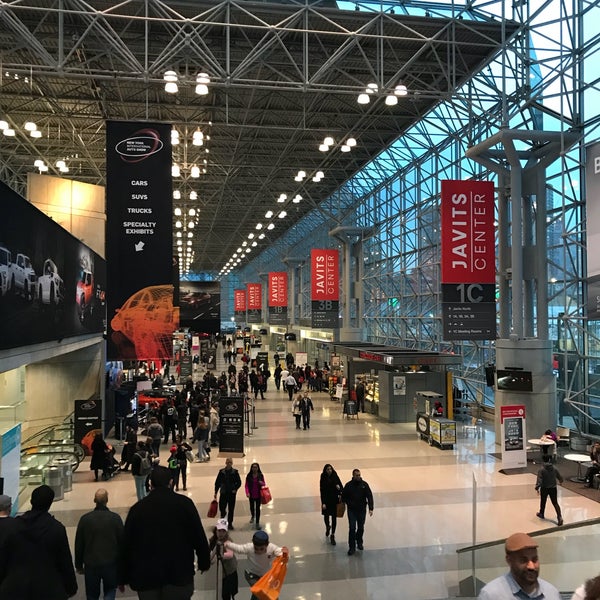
(254, 425)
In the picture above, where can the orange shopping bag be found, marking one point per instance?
(268, 587)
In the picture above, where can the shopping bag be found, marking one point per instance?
(189, 455)
(265, 495)
(212, 509)
(340, 510)
(268, 587)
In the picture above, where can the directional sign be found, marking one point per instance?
(469, 321)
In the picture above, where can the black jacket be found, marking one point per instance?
(357, 494)
(162, 515)
(331, 490)
(36, 561)
(98, 538)
(228, 481)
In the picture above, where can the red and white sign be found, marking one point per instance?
(278, 288)
(254, 295)
(239, 300)
(468, 242)
(325, 284)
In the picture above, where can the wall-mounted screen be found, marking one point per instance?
(515, 381)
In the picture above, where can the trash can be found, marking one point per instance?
(64, 464)
(52, 477)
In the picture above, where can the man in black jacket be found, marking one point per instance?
(228, 482)
(97, 543)
(169, 572)
(36, 561)
(357, 495)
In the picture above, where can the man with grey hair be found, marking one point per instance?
(97, 543)
(7, 523)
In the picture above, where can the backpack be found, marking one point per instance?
(171, 412)
(145, 463)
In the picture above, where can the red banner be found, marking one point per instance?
(325, 284)
(239, 300)
(254, 295)
(468, 242)
(278, 293)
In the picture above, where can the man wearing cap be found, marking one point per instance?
(162, 538)
(97, 543)
(260, 553)
(36, 561)
(522, 580)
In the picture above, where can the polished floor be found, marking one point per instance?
(423, 504)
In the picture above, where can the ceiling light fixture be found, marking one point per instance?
(171, 78)
(175, 171)
(268, 214)
(202, 81)
(282, 214)
(271, 226)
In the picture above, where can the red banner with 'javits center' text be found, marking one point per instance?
(278, 295)
(468, 243)
(325, 276)
(239, 300)
(254, 295)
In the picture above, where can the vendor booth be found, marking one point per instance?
(392, 377)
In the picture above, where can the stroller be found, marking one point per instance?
(111, 467)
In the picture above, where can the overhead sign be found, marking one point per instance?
(325, 288)
(278, 298)
(254, 291)
(468, 260)
(139, 241)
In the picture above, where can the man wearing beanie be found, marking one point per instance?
(522, 580)
(36, 561)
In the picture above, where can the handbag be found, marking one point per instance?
(212, 509)
(340, 509)
(268, 587)
(265, 495)
(189, 455)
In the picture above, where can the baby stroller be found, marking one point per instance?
(111, 468)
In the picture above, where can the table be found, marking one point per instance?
(541, 443)
(579, 459)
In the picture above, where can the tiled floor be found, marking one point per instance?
(423, 504)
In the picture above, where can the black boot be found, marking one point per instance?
(332, 538)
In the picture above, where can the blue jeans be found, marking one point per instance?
(140, 486)
(107, 574)
(356, 522)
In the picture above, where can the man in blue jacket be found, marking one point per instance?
(357, 496)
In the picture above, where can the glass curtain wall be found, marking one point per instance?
(547, 77)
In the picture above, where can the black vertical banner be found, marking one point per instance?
(231, 428)
(139, 230)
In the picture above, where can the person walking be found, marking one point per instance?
(546, 486)
(229, 581)
(100, 452)
(357, 496)
(201, 434)
(297, 410)
(307, 408)
(260, 554)
(227, 483)
(360, 396)
(290, 385)
(255, 481)
(97, 543)
(522, 581)
(141, 467)
(170, 421)
(163, 569)
(155, 431)
(181, 455)
(331, 492)
(36, 560)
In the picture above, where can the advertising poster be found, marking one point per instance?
(399, 385)
(231, 428)
(88, 422)
(200, 305)
(51, 285)
(239, 305)
(10, 463)
(592, 207)
(139, 241)
(468, 260)
(325, 288)
(512, 425)
(254, 296)
(278, 298)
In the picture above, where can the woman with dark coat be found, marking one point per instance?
(100, 451)
(331, 488)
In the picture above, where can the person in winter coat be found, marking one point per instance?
(331, 492)
(35, 561)
(307, 408)
(297, 410)
(357, 495)
(227, 483)
(201, 434)
(100, 452)
(546, 486)
(229, 585)
(181, 455)
(255, 481)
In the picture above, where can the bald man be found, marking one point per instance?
(97, 543)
